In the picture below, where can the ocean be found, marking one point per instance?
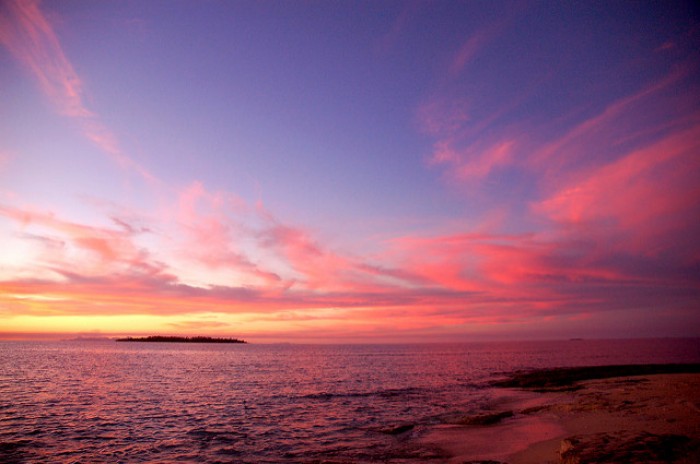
(109, 402)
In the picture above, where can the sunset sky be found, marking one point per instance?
(330, 171)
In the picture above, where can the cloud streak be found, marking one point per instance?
(440, 281)
(29, 36)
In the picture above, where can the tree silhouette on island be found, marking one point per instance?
(174, 339)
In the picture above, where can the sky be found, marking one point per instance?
(350, 171)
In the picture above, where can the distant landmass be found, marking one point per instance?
(87, 339)
(166, 339)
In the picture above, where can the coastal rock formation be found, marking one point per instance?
(484, 462)
(623, 446)
(568, 378)
(485, 419)
(650, 417)
(397, 430)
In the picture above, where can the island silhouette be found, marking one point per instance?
(174, 339)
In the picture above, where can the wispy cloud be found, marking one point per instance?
(29, 36)
(480, 39)
(472, 46)
(321, 269)
(639, 114)
(98, 250)
(407, 14)
(215, 235)
(643, 203)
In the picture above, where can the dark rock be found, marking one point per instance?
(564, 379)
(484, 462)
(398, 430)
(625, 447)
(486, 419)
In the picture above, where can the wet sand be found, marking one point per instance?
(651, 418)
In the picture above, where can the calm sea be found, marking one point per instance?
(93, 402)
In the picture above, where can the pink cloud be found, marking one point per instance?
(432, 281)
(108, 269)
(469, 49)
(644, 113)
(476, 42)
(475, 162)
(482, 165)
(29, 36)
(101, 250)
(617, 209)
(470, 148)
(532, 276)
(215, 234)
(453, 262)
(318, 269)
(638, 202)
(464, 146)
(443, 117)
(408, 13)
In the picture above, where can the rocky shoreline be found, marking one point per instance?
(568, 378)
(608, 414)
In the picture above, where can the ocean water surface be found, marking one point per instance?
(94, 402)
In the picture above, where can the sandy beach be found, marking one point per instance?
(651, 418)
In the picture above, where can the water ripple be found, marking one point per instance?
(99, 403)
